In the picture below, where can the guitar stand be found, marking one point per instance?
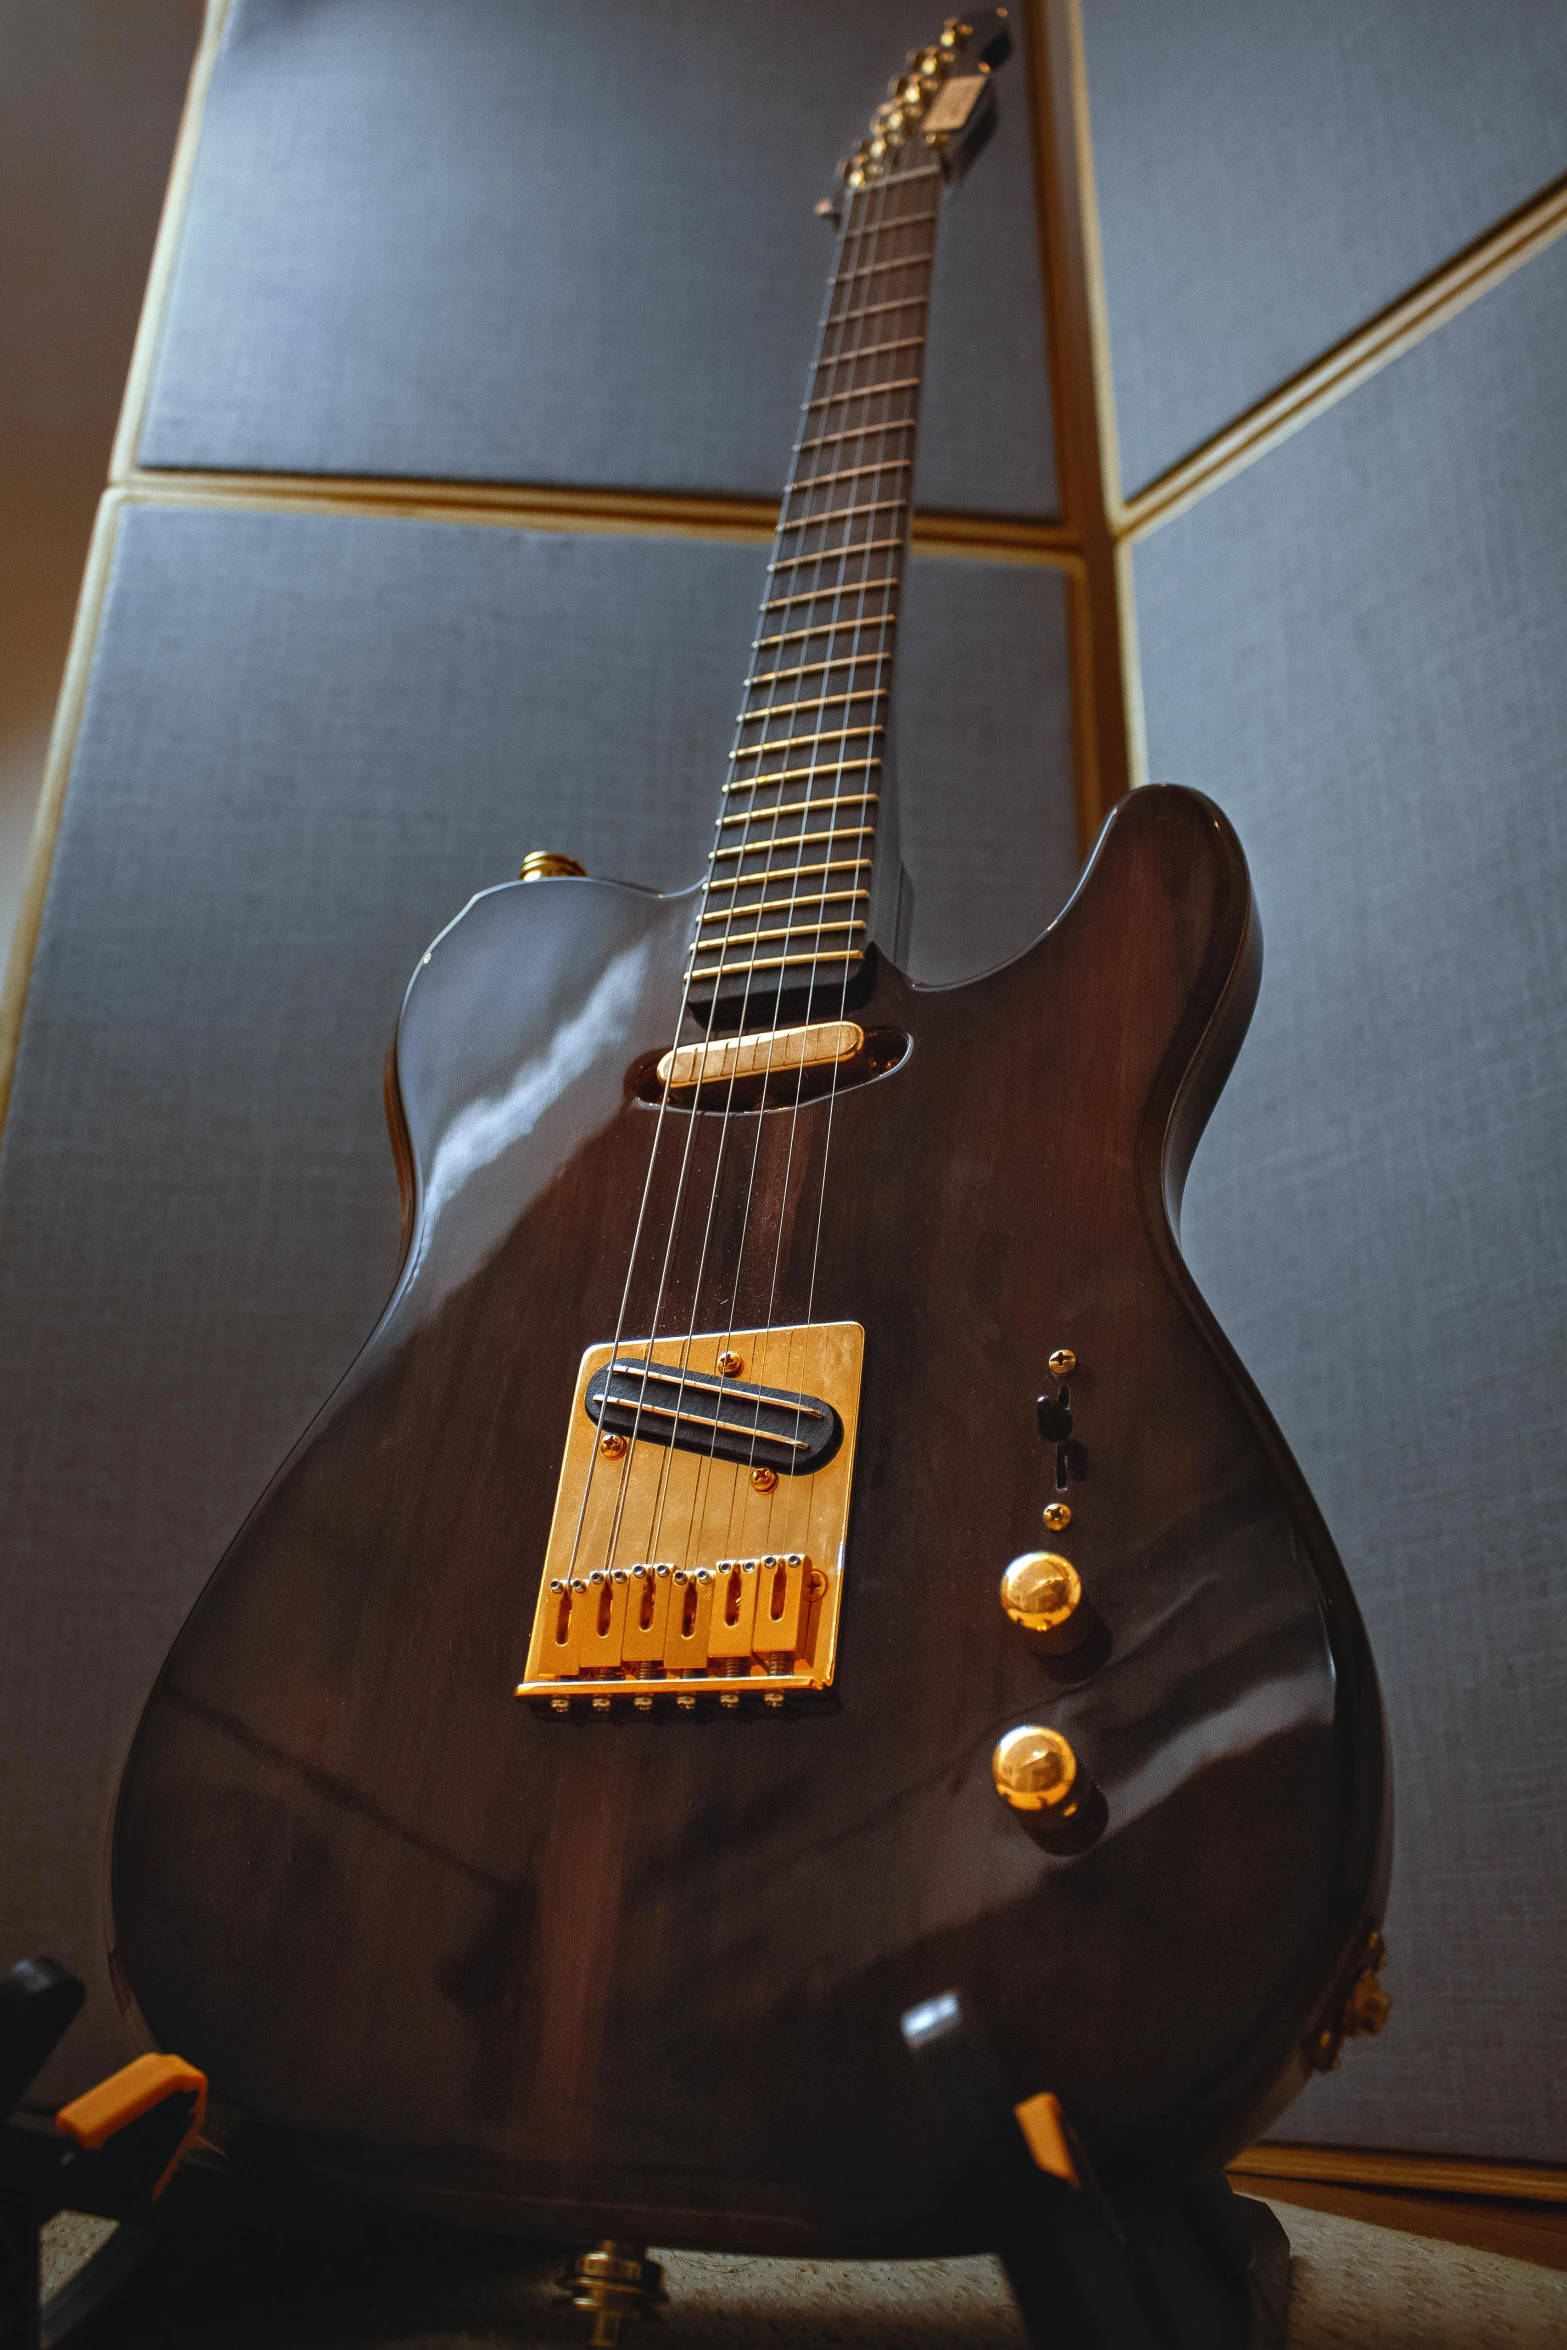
(110, 2153)
(1165, 2263)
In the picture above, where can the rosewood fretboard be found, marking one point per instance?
(786, 900)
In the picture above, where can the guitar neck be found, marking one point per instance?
(786, 901)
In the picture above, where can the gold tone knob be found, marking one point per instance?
(545, 864)
(1063, 1362)
(1035, 1770)
(1057, 1516)
(1043, 1596)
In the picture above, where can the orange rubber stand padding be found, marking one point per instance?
(126, 2095)
(1039, 2119)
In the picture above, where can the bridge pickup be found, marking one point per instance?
(729, 1419)
(684, 1569)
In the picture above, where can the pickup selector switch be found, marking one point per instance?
(1055, 1419)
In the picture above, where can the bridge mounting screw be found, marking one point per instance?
(1063, 1362)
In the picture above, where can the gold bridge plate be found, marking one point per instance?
(749, 1599)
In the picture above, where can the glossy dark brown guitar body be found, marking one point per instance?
(643, 1977)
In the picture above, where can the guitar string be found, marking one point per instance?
(857, 238)
(613, 1363)
(899, 562)
(920, 262)
(848, 358)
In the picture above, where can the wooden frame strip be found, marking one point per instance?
(1439, 2174)
(51, 798)
(541, 506)
(1441, 296)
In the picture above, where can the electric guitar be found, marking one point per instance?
(796, 1542)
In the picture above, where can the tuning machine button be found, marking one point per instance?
(1041, 1593)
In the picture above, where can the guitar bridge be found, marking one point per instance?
(697, 1546)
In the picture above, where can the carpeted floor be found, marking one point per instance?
(1354, 2287)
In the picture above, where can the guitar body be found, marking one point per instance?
(642, 1976)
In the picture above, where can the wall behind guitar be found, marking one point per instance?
(1353, 643)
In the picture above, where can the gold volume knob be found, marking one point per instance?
(1042, 1594)
(1035, 1770)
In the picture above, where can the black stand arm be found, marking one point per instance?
(1168, 2264)
(111, 2152)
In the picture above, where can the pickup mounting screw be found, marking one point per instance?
(1058, 1516)
(764, 1479)
(1063, 1362)
(612, 1446)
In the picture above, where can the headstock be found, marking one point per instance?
(942, 104)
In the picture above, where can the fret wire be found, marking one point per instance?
(875, 268)
(789, 636)
(843, 513)
(722, 970)
(810, 669)
(862, 693)
(797, 774)
(826, 555)
(800, 742)
(870, 351)
(819, 595)
(819, 481)
(839, 799)
(757, 938)
(855, 432)
(902, 383)
(875, 309)
(795, 873)
(801, 841)
(821, 897)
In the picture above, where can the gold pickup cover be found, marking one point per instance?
(768, 1055)
(673, 1573)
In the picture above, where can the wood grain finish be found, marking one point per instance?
(643, 1977)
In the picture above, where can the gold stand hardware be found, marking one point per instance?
(1035, 1770)
(547, 864)
(614, 2284)
(1365, 2010)
(728, 1058)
